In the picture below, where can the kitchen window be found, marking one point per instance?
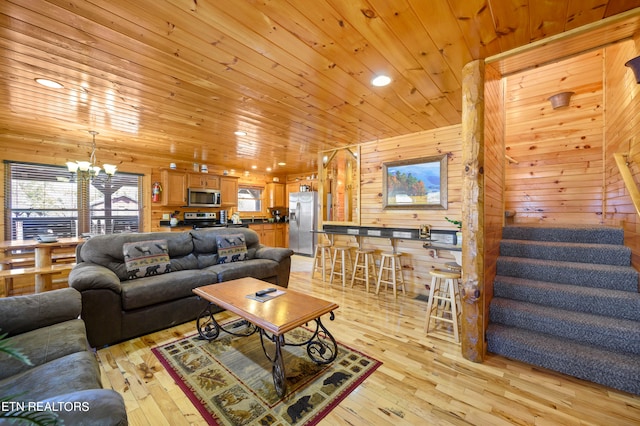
(250, 199)
(42, 199)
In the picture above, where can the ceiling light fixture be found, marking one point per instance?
(381, 80)
(89, 169)
(282, 163)
(240, 133)
(49, 83)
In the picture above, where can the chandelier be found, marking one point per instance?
(89, 169)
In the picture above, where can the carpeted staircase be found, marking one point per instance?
(567, 299)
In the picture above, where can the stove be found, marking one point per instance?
(201, 220)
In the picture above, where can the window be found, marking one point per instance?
(44, 199)
(250, 199)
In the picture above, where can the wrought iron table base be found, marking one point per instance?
(321, 346)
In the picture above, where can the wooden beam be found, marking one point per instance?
(472, 290)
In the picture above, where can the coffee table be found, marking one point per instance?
(272, 318)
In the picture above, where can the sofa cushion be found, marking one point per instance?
(43, 345)
(75, 372)
(43, 309)
(257, 268)
(149, 291)
(231, 248)
(106, 250)
(146, 258)
(205, 245)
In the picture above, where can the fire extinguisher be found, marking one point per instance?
(156, 189)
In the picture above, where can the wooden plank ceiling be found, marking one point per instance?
(171, 80)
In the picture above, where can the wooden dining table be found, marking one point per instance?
(43, 255)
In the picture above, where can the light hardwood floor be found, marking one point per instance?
(422, 380)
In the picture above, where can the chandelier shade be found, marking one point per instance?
(89, 168)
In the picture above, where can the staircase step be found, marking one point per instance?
(586, 362)
(611, 333)
(565, 233)
(613, 277)
(606, 254)
(597, 301)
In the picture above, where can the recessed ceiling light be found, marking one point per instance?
(254, 167)
(240, 133)
(49, 83)
(268, 169)
(282, 163)
(381, 80)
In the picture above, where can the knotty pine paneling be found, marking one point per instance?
(417, 261)
(494, 169)
(623, 124)
(559, 174)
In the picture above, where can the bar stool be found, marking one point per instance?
(444, 305)
(321, 257)
(340, 253)
(364, 262)
(390, 262)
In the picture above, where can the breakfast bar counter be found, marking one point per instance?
(440, 239)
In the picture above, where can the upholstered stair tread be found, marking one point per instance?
(617, 370)
(614, 277)
(566, 298)
(565, 233)
(606, 254)
(597, 301)
(612, 333)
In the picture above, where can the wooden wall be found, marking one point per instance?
(565, 171)
(417, 261)
(622, 100)
(559, 174)
(494, 171)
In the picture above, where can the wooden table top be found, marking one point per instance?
(33, 243)
(278, 315)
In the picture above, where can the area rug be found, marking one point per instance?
(229, 379)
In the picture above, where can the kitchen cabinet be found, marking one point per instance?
(271, 234)
(295, 187)
(229, 191)
(275, 193)
(286, 234)
(282, 239)
(266, 233)
(203, 180)
(174, 188)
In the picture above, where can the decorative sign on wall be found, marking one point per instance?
(419, 183)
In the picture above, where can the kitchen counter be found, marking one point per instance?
(182, 224)
(261, 220)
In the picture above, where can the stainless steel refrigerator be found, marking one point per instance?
(303, 207)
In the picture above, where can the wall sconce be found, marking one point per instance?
(560, 100)
(634, 64)
(89, 169)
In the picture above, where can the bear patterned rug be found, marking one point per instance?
(229, 379)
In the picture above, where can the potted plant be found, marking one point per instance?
(458, 224)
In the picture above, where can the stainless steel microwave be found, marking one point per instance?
(200, 197)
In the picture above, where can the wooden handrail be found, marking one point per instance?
(629, 183)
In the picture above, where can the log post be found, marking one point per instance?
(472, 290)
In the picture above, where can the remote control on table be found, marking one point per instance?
(265, 291)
